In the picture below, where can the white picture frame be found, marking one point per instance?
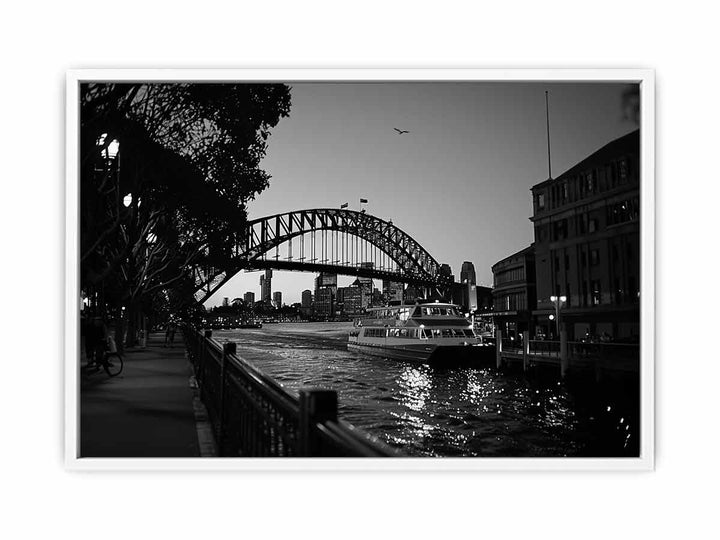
(645, 461)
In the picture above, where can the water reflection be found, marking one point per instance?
(429, 411)
(415, 386)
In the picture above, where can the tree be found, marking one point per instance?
(166, 173)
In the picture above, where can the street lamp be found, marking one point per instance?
(558, 301)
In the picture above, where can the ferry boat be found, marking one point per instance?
(422, 332)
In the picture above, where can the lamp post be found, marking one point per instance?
(558, 301)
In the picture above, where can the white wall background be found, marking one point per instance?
(41, 499)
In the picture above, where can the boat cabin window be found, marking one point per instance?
(440, 311)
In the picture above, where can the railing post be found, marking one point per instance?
(498, 348)
(316, 406)
(564, 358)
(228, 349)
(526, 349)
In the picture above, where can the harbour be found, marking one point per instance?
(470, 410)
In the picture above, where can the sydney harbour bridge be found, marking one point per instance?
(340, 241)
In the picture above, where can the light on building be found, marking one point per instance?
(552, 317)
(127, 201)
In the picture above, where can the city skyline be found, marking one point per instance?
(477, 147)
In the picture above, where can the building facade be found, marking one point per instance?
(514, 293)
(324, 306)
(266, 287)
(392, 291)
(277, 299)
(306, 302)
(249, 298)
(587, 245)
(467, 273)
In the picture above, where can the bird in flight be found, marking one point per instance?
(401, 131)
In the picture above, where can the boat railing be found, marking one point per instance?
(252, 415)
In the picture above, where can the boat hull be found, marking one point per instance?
(423, 353)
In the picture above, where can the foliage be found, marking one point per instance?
(189, 157)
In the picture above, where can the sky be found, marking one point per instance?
(458, 182)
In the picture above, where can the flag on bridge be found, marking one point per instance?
(344, 205)
(363, 201)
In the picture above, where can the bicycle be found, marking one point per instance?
(110, 361)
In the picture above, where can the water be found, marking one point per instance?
(461, 411)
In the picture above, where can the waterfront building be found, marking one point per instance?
(446, 271)
(514, 294)
(249, 298)
(326, 280)
(266, 287)
(413, 293)
(587, 244)
(306, 302)
(392, 291)
(365, 282)
(484, 298)
(377, 298)
(277, 299)
(352, 298)
(325, 302)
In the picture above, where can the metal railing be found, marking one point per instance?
(540, 347)
(252, 415)
(512, 345)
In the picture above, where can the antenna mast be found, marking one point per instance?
(547, 122)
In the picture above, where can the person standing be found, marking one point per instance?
(170, 333)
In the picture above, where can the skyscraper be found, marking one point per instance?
(249, 298)
(467, 273)
(277, 299)
(266, 286)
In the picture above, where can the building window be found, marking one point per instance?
(592, 225)
(623, 171)
(590, 182)
(567, 262)
(541, 201)
(594, 257)
(624, 211)
(596, 294)
(584, 293)
(564, 191)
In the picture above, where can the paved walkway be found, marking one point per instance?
(146, 411)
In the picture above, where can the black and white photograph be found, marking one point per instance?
(361, 268)
(405, 270)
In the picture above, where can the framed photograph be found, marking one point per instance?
(360, 269)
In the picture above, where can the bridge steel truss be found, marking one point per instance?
(347, 239)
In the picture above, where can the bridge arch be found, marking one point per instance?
(411, 262)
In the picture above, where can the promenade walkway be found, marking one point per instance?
(146, 411)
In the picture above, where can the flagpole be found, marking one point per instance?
(547, 123)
